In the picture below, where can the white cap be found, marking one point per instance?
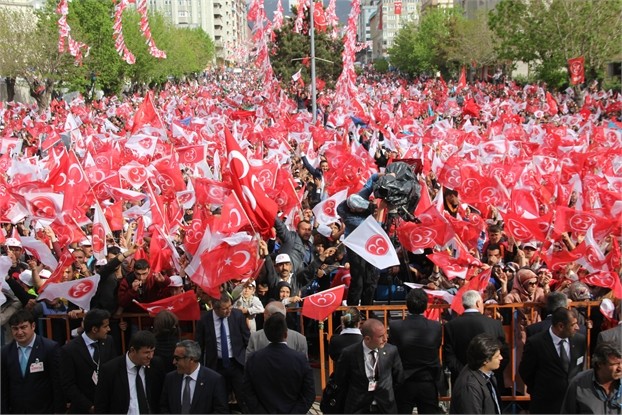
(86, 242)
(12, 242)
(324, 230)
(282, 258)
(176, 281)
(530, 244)
(26, 277)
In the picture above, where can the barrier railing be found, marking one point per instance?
(384, 313)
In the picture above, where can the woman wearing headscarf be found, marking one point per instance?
(525, 290)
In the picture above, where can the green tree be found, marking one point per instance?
(426, 47)
(29, 50)
(290, 48)
(473, 42)
(546, 33)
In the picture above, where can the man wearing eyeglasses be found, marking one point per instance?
(192, 388)
(597, 391)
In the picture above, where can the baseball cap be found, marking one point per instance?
(530, 244)
(282, 258)
(86, 242)
(176, 281)
(26, 277)
(13, 242)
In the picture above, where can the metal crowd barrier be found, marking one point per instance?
(382, 312)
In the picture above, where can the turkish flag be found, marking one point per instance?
(576, 69)
(371, 242)
(320, 305)
(227, 262)
(159, 252)
(146, 114)
(185, 306)
(258, 206)
(325, 212)
(606, 279)
(79, 292)
(233, 218)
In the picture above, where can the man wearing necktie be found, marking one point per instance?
(369, 371)
(30, 370)
(131, 384)
(192, 388)
(223, 335)
(550, 359)
(475, 390)
(81, 359)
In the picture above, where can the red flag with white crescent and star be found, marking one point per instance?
(184, 306)
(258, 206)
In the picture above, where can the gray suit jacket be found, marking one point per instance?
(258, 341)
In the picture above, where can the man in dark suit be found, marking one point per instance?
(554, 300)
(258, 339)
(475, 391)
(81, 359)
(192, 388)
(277, 379)
(30, 370)
(229, 356)
(550, 359)
(418, 341)
(460, 331)
(132, 383)
(369, 371)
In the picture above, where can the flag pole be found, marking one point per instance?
(312, 34)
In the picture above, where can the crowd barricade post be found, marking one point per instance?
(384, 313)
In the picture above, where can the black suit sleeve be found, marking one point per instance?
(103, 391)
(59, 398)
(307, 394)
(397, 371)
(529, 363)
(4, 386)
(449, 355)
(251, 398)
(69, 380)
(164, 407)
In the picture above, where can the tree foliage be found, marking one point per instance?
(289, 50)
(438, 43)
(474, 42)
(546, 33)
(29, 49)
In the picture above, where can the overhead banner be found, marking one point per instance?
(398, 7)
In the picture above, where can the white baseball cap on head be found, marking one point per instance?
(13, 242)
(176, 281)
(26, 277)
(282, 258)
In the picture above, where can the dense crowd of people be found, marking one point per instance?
(222, 202)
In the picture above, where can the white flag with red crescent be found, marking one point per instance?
(79, 292)
(371, 242)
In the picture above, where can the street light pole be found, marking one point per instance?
(312, 34)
